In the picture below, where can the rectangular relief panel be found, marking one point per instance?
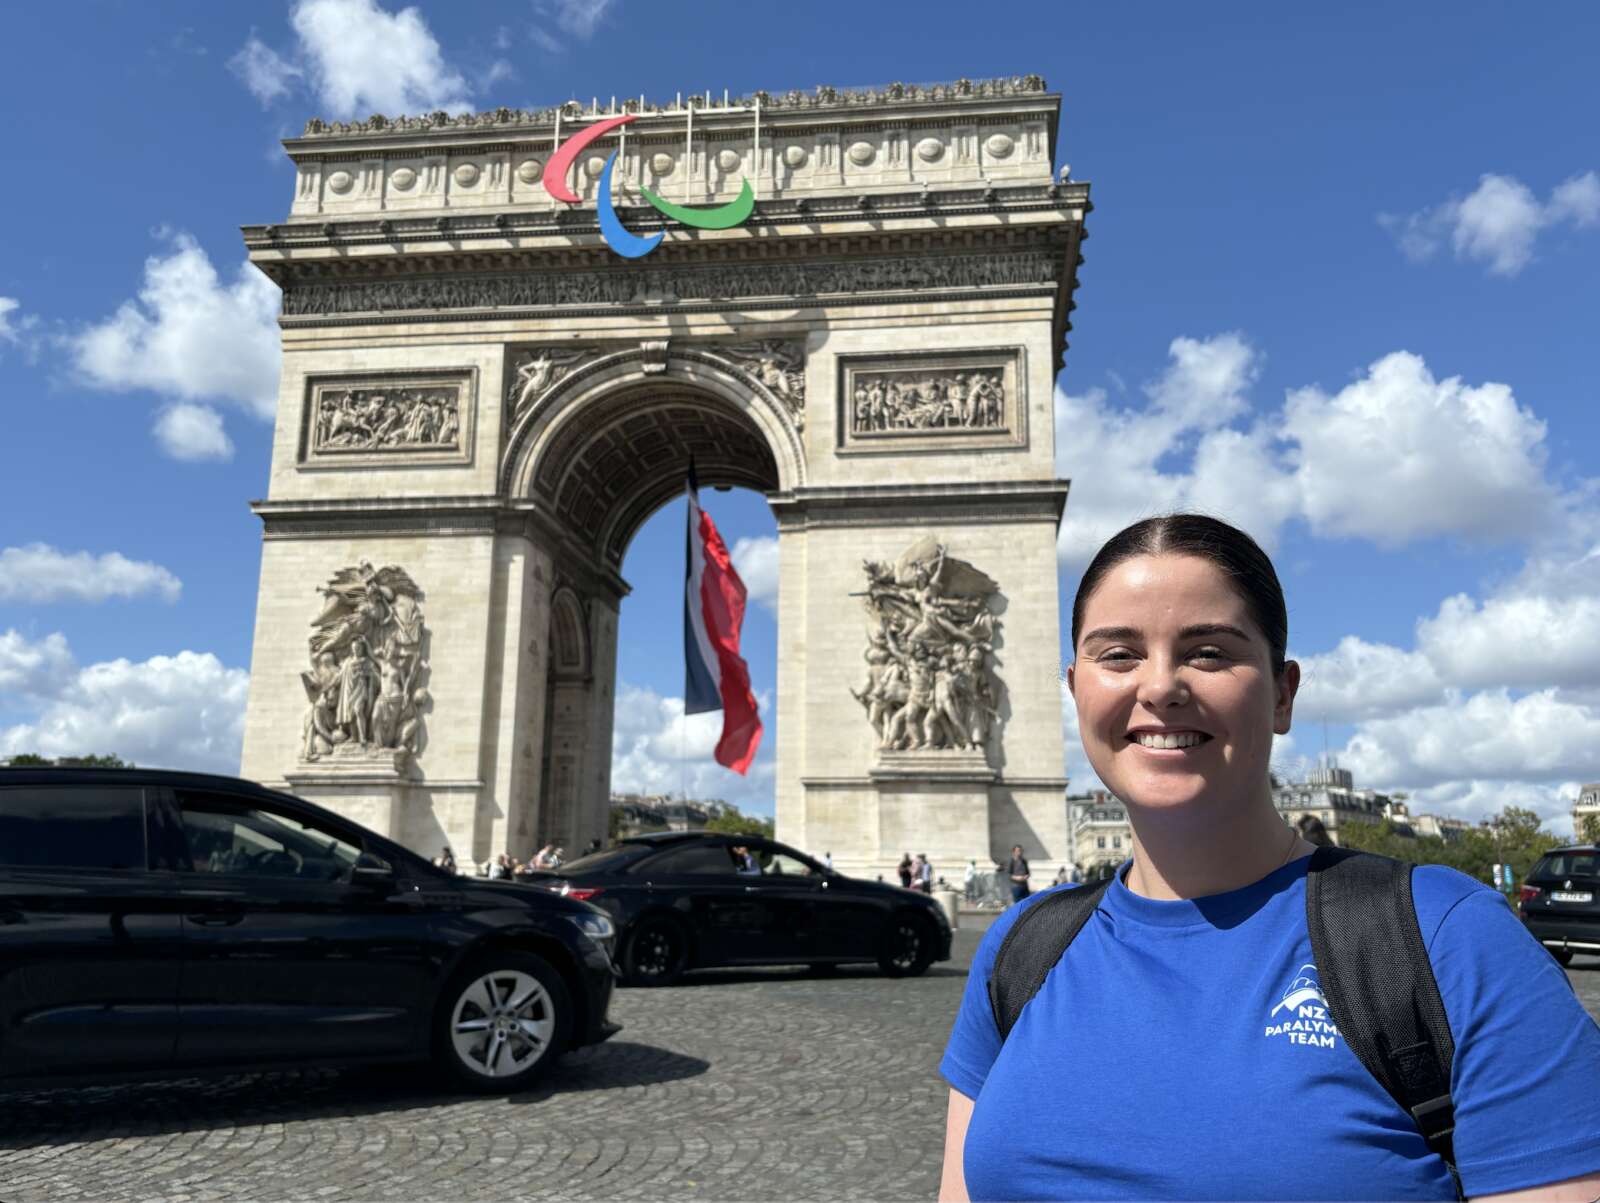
(351, 420)
(933, 401)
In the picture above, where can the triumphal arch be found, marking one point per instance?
(487, 388)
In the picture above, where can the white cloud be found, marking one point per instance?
(192, 432)
(1360, 680)
(32, 669)
(190, 337)
(1479, 799)
(657, 749)
(363, 59)
(267, 74)
(182, 711)
(1454, 459)
(499, 70)
(8, 306)
(38, 572)
(1451, 459)
(16, 328)
(756, 562)
(1497, 223)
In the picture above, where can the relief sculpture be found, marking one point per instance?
(781, 367)
(535, 373)
(922, 401)
(381, 419)
(364, 687)
(930, 680)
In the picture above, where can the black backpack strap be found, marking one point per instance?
(1033, 946)
(1380, 988)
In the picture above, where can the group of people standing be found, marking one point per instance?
(505, 866)
(916, 873)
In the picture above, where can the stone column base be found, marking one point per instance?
(368, 786)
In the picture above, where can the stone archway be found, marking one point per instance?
(480, 405)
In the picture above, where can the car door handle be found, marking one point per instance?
(216, 919)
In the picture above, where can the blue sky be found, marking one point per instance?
(1340, 287)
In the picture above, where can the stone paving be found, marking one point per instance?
(760, 1085)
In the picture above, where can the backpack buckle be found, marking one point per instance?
(1436, 1117)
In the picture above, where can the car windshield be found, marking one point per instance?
(611, 860)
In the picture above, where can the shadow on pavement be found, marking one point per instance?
(70, 1114)
(791, 973)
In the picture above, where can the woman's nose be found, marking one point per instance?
(1160, 684)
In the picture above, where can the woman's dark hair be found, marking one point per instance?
(1235, 553)
(1313, 832)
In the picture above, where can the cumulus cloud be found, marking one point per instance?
(38, 572)
(1454, 459)
(192, 432)
(184, 711)
(191, 337)
(267, 74)
(577, 19)
(1497, 224)
(16, 327)
(657, 749)
(756, 562)
(363, 59)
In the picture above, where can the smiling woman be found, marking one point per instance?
(1194, 983)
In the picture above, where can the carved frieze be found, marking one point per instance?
(916, 400)
(365, 687)
(389, 417)
(535, 371)
(932, 627)
(638, 285)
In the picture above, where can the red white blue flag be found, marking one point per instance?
(715, 674)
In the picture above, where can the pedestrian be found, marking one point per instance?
(827, 861)
(970, 880)
(541, 858)
(594, 846)
(1313, 832)
(557, 856)
(924, 873)
(1061, 875)
(1192, 984)
(1017, 870)
(446, 859)
(905, 870)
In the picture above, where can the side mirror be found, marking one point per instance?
(372, 870)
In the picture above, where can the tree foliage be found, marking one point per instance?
(1515, 836)
(1589, 830)
(32, 760)
(733, 822)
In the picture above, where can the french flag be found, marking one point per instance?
(715, 674)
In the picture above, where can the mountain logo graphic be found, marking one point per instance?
(1305, 988)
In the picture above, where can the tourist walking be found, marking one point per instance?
(970, 880)
(1192, 984)
(1017, 870)
(905, 870)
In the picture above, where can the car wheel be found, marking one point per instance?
(907, 947)
(503, 1021)
(657, 953)
(1563, 956)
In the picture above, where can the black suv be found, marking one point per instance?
(1560, 901)
(159, 922)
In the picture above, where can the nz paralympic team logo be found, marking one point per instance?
(617, 236)
(1304, 1012)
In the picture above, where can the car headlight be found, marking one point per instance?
(597, 927)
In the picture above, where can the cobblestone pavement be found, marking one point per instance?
(761, 1085)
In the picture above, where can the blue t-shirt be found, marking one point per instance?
(1182, 1050)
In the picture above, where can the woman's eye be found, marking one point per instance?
(1211, 654)
(1115, 655)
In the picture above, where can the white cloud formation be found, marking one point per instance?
(657, 749)
(38, 572)
(364, 59)
(1496, 224)
(267, 74)
(16, 327)
(192, 432)
(184, 711)
(1454, 459)
(8, 306)
(756, 562)
(190, 337)
(576, 18)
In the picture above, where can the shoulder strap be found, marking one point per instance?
(1033, 946)
(1380, 988)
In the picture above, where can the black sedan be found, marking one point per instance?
(694, 900)
(158, 922)
(1560, 901)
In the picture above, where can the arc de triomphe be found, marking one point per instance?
(481, 402)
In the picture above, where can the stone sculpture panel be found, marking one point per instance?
(397, 417)
(916, 401)
(932, 626)
(365, 685)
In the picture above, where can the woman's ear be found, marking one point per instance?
(1288, 684)
(1072, 685)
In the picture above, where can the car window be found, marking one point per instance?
(72, 827)
(233, 836)
(785, 866)
(704, 859)
(609, 861)
(1568, 864)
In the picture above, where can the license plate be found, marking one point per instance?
(1569, 896)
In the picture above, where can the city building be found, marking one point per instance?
(1329, 794)
(638, 814)
(1099, 833)
(1585, 809)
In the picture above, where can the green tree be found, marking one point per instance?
(732, 822)
(1515, 836)
(1589, 830)
(32, 760)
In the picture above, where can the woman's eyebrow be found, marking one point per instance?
(1200, 630)
(1111, 633)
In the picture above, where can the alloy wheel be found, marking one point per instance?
(502, 1024)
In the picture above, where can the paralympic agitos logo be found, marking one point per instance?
(617, 236)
